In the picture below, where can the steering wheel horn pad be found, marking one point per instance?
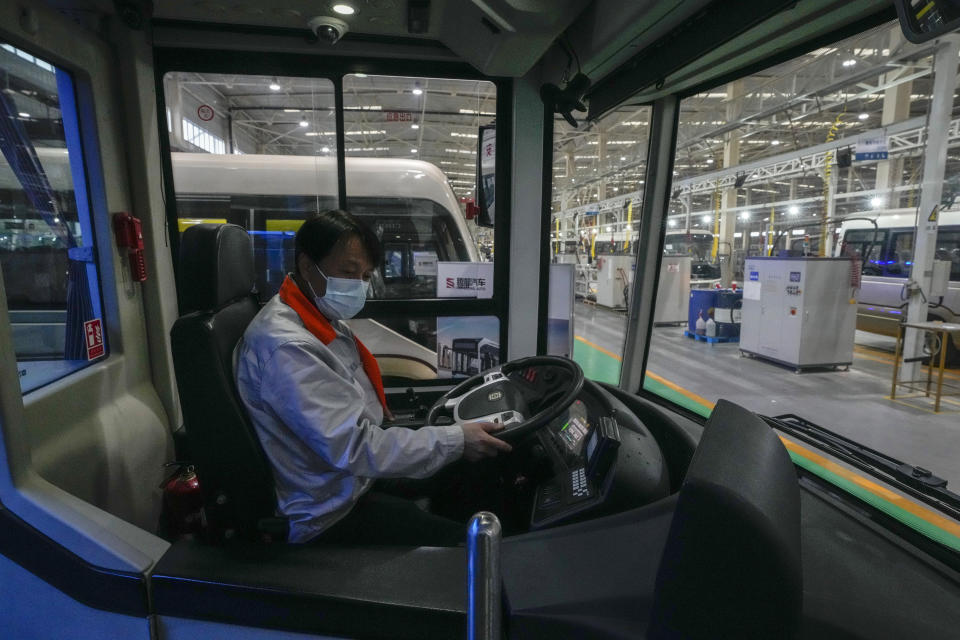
(491, 396)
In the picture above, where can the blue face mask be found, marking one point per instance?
(344, 297)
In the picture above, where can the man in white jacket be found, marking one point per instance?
(316, 400)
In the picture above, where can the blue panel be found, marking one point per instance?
(185, 629)
(34, 609)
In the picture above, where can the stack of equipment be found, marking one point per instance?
(701, 302)
(727, 313)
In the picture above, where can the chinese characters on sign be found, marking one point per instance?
(464, 279)
(399, 116)
(871, 149)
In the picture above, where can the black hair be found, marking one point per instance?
(319, 235)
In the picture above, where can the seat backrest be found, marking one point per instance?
(731, 565)
(216, 287)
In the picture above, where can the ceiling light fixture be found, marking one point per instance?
(343, 9)
(793, 211)
(325, 149)
(304, 123)
(876, 202)
(417, 90)
(274, 86)
(863, 116)
(413, 150)
(849, 63)
(414, 126)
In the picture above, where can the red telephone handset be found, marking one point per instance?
(130, 236)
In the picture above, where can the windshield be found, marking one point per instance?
(798, 188)
(808, 330)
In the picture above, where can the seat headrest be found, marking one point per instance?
(216, 266)
(731, 567)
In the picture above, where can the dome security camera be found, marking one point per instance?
(328, 30)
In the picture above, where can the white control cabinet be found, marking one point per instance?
(801, 312)
(673, 290)
(614, 276)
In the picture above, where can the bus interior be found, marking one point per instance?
(159, 157)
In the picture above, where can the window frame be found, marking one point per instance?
(334, 68)
(86, 175)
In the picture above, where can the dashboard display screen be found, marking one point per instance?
(573, 428)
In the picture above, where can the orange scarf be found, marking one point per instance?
(319, 326)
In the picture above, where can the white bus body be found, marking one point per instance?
(885, 272)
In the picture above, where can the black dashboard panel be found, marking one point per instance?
(586, 444)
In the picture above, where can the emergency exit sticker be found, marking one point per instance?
(93, 332)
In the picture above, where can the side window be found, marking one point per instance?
(256, 151)
(46, 236)
(870, 243)
(900, 259)
(948, 248)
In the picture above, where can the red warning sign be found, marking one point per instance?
(205, 112)
(93, 330)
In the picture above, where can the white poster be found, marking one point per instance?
(560, 311)
(424, 263)
(464, 279)
(751, 290)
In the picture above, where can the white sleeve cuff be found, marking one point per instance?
(453, 441)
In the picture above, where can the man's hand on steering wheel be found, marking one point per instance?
(479, 444)
(493, 395)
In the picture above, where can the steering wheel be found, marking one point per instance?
(491, 396)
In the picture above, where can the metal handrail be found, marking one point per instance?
(484, 604)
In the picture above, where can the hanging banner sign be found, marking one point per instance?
(399, 116)
(486, 172)
(464, 279)
(871, 149)
(93, 332)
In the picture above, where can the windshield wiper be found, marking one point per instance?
(914, 480)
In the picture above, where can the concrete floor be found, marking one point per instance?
(853, 403)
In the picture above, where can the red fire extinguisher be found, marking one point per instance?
(182, 503)
(129, 234)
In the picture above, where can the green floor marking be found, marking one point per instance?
(599, 366)
(662, 390)
(603, 368)
(596, 365)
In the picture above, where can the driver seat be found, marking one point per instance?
(217, 296)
